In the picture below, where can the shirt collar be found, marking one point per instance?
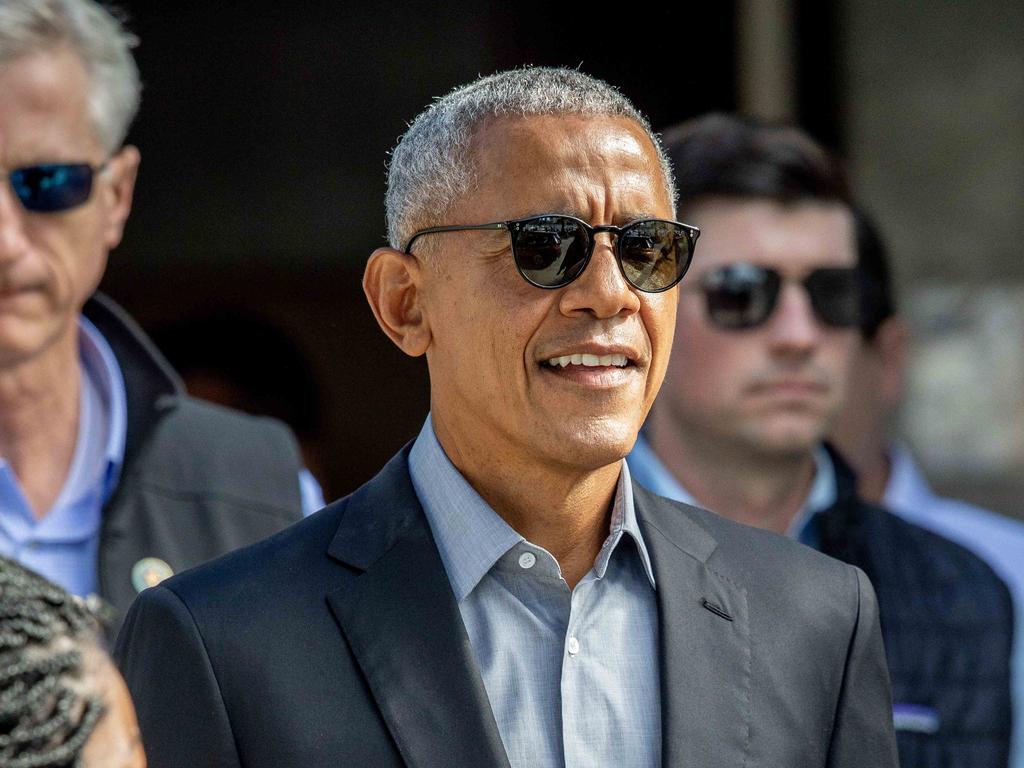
(651, 473)
(75, 515)
(102, 372)
(907, 488)
(471, 537)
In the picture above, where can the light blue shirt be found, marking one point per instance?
(652, 474)
(63, 544)
(996, 539)
(572, 676)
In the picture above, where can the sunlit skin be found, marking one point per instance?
(742, 410)
(50, 263)
(541, 445)
(863, 428)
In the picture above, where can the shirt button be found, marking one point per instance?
(527, 560)
(574, 646)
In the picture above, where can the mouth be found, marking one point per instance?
(791, 388)
(594, 368)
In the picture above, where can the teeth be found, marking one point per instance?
(590, 361)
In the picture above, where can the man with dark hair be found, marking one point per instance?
(767, 328)
(502, 594)
(62, 702)
(887, 473)
(111, 478)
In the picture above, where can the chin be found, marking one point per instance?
(791, 442)
(597, 443)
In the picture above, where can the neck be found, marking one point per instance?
(39, 407)
(755, 488)
(873, 476)
(565, 511)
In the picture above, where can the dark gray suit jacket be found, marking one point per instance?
(338, 642)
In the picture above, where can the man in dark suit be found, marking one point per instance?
(501, 594)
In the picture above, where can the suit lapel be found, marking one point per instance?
(405, 630)
(705, 641)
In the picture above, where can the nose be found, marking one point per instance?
(601, 290)
(793, 329)
(13, 239)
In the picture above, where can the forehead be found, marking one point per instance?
(594, 167)
(791, 238)
(44, 112)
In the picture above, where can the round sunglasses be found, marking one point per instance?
(54, 186)
(552, 250)
(741, 296)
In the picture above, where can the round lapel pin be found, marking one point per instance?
(149, 572)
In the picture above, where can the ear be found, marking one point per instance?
(392, 283)
(891, 343)
(117, 191)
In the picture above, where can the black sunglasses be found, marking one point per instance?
(552, 250)
(744, 295)
(54, 186)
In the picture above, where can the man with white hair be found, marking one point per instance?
(501, 594)
(110, 477)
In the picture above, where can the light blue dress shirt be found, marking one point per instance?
(572, 675)
(63, 544)
(994, 538)
(652, 474)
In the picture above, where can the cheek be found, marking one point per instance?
(660, 325)
(838, 355)
(706, 370)
(71, 248)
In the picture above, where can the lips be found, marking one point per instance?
(790, 387)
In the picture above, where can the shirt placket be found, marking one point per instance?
(577, 655)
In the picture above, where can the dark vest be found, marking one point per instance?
(947, 623)
(198, 480)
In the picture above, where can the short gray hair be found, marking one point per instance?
(99, 39)
(433, 165)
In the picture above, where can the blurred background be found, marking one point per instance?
(264, 136)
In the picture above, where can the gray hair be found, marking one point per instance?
(433, 165)
(100, 41)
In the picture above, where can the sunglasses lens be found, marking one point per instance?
(550, 251)
(655, 254)
(835, 296)
(48, 188)
(740, 295)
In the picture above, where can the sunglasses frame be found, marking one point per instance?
(773, 300)
(514, 226)
(89, 183)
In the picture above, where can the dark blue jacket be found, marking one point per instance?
(947, 624)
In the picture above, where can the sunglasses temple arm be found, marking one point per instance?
(454, 228)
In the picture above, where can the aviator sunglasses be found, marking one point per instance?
(54, 186)
(741, 296)
(552, 250)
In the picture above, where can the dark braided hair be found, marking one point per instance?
(44, 720)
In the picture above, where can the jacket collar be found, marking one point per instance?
(704, 636)
(403, 625)
(150, 383)
(840, 527)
